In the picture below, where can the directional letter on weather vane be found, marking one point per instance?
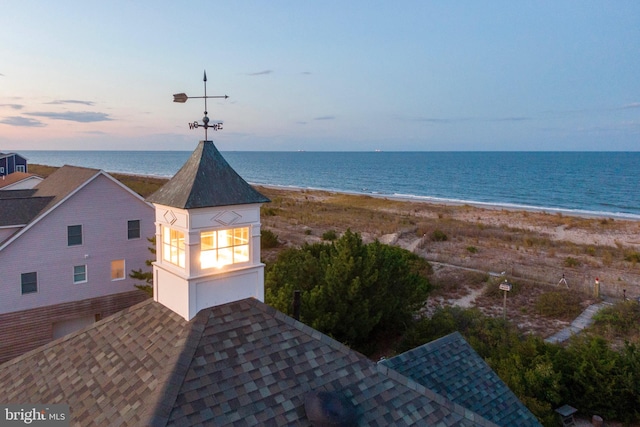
(182, 98)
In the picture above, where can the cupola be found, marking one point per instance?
(207, 236)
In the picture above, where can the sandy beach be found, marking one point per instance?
(531, 247)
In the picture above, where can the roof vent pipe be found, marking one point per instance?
(296, 305)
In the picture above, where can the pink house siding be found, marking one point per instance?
(103, 208)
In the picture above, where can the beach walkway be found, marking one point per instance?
(585, 319)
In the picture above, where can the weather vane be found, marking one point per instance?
(182, 98)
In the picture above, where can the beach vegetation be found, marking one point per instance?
(146, 276)
(571, 262)
(145, 186)
(560, 304)
(472, 249)
(438, 236)
(268, 239)
(632, 256)
(330, 235)
(352, 291)
(619, 321)
(268, 211)
(587, 372)
(492, 289)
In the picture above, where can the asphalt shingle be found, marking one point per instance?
(241, 363)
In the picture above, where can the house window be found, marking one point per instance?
(133, 229)
(2, 169)
(173, 246)
(74, 235)
(223, 247)
(20, 168)
(79, 274)
(117, 269)
(29, 282)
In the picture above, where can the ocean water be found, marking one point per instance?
(584, 183)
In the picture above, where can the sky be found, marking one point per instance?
(321, 76)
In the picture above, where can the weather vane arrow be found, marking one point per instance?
(182, 98)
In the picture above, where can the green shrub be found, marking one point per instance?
(472, 249)
(621, 319)
(571, 262)
(438, 236)
(633, 257)
(268, 239)
(561, 304)
(330, 235)
(269, 211)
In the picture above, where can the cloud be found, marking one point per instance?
(630, 106)
(509, 119)
(71, 101)
(470, 119)
(261, 73)
(22, 121)
(325, 118)
(306, 73)
(80, 116)
(13, 106)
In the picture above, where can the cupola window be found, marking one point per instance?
(173, 246)
(224, 247)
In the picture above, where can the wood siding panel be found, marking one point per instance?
(23, 331)
(102, 208)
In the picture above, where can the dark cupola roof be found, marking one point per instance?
(206, 180)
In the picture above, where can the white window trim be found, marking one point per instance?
(81, 235)
(139, 229)
(37, 284)
(86, 275)
(124, 270)
(232, 247)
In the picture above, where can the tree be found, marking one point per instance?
(146, 276)
(350, 290)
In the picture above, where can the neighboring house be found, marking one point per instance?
(66, 249)
(19, 181)
(208, 351)
(12, 162)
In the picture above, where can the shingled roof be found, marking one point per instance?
(206, 180)
(451, 367)
(241, 363)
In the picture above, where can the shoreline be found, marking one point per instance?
(496, 206)
(476, 204)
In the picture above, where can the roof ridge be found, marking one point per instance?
(168, 392)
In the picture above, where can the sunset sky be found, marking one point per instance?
(321, 76)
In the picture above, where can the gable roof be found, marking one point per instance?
(5, 155)
(46, 196)
(242, 363)
(451, 367)
(206, 180)
(16, 177)
(18, 211)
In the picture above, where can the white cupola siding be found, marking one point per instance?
(207, 236)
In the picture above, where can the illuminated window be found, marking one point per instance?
(173, 246)
(117, 269)
(223, 247)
